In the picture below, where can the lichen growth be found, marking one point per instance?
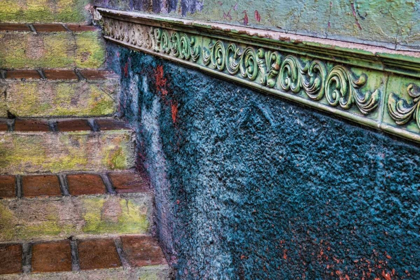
(53, 152)
(132, 218)
(90, 51)
(43, 11)
(34, 99)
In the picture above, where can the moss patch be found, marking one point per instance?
(132, 217)
(90, 50)
(43, 11)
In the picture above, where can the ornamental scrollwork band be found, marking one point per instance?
(403, 112)
(338, 86)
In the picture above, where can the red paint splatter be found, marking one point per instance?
(257, 16)
(245, 18)
(126, 70)
(174, 110)
(160, 80)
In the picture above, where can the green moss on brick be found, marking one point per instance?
(43, 11)
(52, 152)
(131, 217)
(90, 50)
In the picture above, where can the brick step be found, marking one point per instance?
(35, 207)
(29, 145)
(124, 257)
(50, 46)
(76, 11)
(58, 93)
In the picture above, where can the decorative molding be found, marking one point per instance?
(354, 90)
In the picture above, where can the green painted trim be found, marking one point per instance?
(372, 86)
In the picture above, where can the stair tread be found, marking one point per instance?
(72, 184)
(61, 125)
(58, 74)
(47, 27)
(74, 255)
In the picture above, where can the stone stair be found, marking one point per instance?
(72, 205)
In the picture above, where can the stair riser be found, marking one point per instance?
(51, 50)
(58, 99)
(156, 272)
(57, 152)
(54, 218)
(44, 11)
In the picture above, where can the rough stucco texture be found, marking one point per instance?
(251, 187)
(393, 24)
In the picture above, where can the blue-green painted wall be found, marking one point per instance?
(249, 186)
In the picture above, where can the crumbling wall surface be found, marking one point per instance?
(249, 186)
(394, 24)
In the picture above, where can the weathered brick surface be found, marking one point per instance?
(51, 257)
(53, 74)
(128, 182)
(83, 184)
(49, 27)
(22, 74)
(142, 251)
(98, 254)
(14, 27)
(7, 186)
(40, 185)
(10, 259)
(75, 151)
(51, 50)
(3, 126)
(98, 74)
(61, 217)
(81, 28)
(70, 98)
(73, 125)
(31, 126)
(110, 124)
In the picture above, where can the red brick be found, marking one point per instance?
(73, 125)
(97, 74)
(10, 259)
(60, 75)
(81, 28)
(10, 27)
(51, 257)
(128, 182)
(109, 124)
(3, 126)
(49, 28)
(97, 254)
(80, 184)
(22, 74)
(31, 126)
(142, 251)
(7, 186)
(40, 185)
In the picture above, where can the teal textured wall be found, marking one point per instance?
(248, 186)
